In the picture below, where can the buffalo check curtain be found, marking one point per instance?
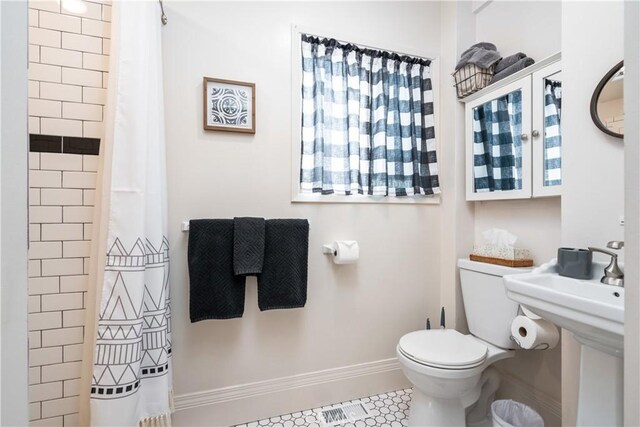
(497, 144)
(552, 134)
(367, 122)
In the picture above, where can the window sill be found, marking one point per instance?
(362, 199)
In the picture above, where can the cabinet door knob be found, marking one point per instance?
(535, 134)
(524, 136)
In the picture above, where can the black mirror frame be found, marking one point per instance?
(594, 101)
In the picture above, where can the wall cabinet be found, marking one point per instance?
(513, 135)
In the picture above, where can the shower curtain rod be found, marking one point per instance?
(163, 17)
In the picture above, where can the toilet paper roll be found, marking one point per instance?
(346, 251)
(534, 334)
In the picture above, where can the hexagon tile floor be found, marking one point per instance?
(386, 410)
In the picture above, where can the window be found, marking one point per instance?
(367, 122)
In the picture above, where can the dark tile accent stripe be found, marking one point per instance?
(75, 145)
(66, 144)
(45, 143)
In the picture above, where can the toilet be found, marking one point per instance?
(453, 381)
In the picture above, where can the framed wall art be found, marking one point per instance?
(229, 105)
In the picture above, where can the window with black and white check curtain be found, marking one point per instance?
(367, 122)
(497, 144)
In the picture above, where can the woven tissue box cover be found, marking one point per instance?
(502, 252)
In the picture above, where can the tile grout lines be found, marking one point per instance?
(387, 410)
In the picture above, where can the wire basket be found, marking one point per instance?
(471, 78)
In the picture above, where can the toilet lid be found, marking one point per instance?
(443, 348)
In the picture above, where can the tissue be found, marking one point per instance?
(499, 237)
(499, 243)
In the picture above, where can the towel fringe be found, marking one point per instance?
(163, 420)
(172, 407)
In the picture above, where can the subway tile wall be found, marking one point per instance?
(61, 211)
(68, 67)
(616, 124)
(68, 71)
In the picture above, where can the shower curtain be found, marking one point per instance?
(127, 375)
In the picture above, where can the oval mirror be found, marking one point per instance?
(607, 102)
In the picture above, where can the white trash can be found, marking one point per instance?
(509, 413)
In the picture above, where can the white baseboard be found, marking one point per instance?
(547, 406)
(249, 402)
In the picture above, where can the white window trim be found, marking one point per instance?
(296, 122)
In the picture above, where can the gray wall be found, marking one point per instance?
(632, 214)
(13, 213)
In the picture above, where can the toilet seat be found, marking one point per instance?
(443, 349)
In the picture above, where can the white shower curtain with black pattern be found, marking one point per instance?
(130, 382)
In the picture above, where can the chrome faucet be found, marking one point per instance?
(613, 275)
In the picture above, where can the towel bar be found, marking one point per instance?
(184, 225)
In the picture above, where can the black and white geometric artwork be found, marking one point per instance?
(229, 105)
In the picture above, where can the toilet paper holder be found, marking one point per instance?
(332, 248)
(329, 250)
(343, 251)
(523, 311)
(541, 346)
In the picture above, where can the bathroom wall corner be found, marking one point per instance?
(458, 31)
(632, 214)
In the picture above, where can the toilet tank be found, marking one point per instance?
(489, 311)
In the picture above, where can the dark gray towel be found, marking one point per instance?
(215, 292)
(520, 65)
(283, 282)
(482, 54)
(248, 245)
(509, 61)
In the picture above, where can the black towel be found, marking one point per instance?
(248, 245)
(215, 292)
(283, 282)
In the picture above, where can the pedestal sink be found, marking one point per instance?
(594, 313)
